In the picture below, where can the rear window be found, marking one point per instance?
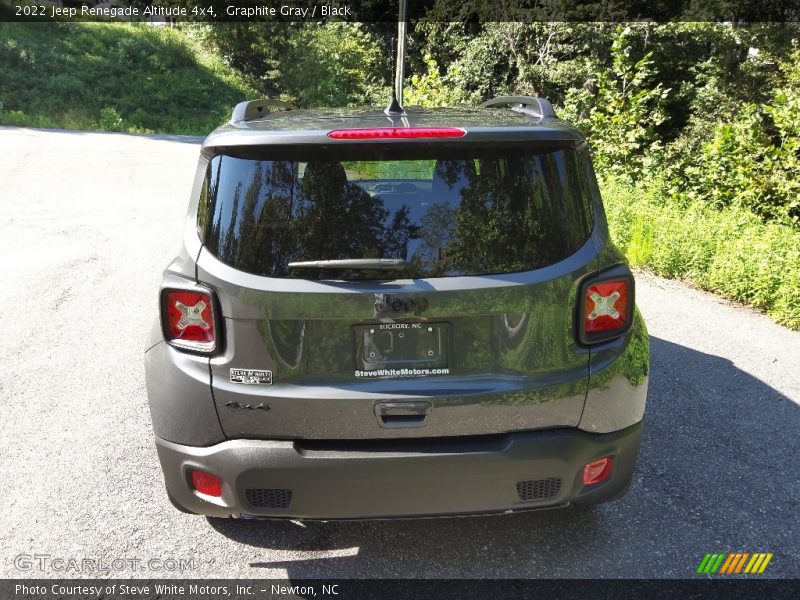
(443, 212)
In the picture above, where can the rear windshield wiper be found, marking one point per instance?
(388, 264)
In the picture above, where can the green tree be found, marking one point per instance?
(620, 109)
(753, 161)
(335, 64)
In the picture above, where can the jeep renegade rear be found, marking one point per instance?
(379, 316)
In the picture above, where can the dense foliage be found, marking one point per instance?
(695, 127)
(711, 110)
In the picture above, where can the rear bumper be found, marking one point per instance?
(407, 478)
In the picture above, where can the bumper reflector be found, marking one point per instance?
(207, 484)
(597, 471)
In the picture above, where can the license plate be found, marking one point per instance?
(401, 344)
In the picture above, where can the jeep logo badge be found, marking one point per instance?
(385, 303)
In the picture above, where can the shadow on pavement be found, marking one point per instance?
(718, 471)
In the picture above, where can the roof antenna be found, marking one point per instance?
(395, 107)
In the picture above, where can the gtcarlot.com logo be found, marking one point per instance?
(734, 563)
(48, 562)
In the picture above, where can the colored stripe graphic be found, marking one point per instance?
(734, 563)
(730, 560)
(765, 563)
(701, 568)
(726, 564)
(740, 564)
(717, 563)
(751, 564)
(710, 563)
(757, 566)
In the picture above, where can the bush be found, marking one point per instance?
(110, 119)
(431, 89)
(750, 160)
(729, 251)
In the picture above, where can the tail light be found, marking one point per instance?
(207, 484)
(393, 133)
(597, 471)
(188, 319)
(606, 306)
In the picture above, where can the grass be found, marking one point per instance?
(730, 251)
(113, 77)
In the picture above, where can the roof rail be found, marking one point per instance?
(255, 109)
(529, 105)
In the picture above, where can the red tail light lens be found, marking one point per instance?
(189, 319)
(597, 471)
(207, 484)
(606, 309)
(606, 306)
(394, 133)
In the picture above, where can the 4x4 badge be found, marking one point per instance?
(261, 406)
(251, 376)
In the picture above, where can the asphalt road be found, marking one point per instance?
(87, 223)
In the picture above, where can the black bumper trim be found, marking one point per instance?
(473, 479)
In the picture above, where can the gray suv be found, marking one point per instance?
(377, 315)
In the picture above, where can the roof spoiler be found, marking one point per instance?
(528, 105)
(255, 109)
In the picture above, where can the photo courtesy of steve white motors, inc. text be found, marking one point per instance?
(137, 590)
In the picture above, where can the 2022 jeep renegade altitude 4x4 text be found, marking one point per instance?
(378, 316)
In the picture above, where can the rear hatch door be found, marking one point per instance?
(375, 291)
